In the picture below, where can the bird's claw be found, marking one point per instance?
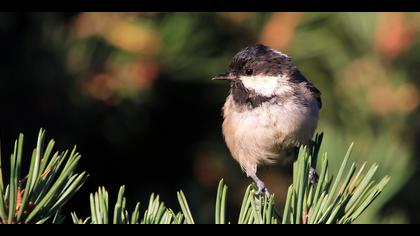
(262, 190)
(260, 185)
(262, 195)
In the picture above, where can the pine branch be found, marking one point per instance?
(38, 196)
(339, 200)
(156, 213)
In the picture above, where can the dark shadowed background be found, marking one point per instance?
(133, 92)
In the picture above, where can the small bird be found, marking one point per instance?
(271, 109)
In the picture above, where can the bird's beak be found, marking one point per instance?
(225, 76)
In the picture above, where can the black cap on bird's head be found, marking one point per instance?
(257, 60)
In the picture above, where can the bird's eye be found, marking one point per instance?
(249, 71)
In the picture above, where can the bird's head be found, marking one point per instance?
(261, 70)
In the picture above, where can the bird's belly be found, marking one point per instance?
(295, 124)
(250, 139)
(275, 125)
(256, 135)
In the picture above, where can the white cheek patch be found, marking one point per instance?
(265, 85)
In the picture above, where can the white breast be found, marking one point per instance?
(253, 135)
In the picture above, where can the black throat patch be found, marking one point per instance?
(244, 96)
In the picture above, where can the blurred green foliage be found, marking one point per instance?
(142, 80)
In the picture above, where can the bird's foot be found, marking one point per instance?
(260, 185)
(263, 190)
(313, 176)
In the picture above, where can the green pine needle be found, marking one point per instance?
(340, 199)
(38, 196)
(51, 181)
